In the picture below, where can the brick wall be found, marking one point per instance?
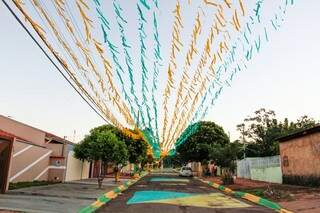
(301, 156)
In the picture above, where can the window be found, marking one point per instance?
(285, 161)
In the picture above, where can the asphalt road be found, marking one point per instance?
(170, 193)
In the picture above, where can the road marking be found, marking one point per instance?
(173, 184)
(146, 196)
(212, 200)
(169, 180)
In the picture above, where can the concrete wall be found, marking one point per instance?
(266, 169)
(76, 169)
(22, 130)
(272, 174)
(301, 156)
(57, 149)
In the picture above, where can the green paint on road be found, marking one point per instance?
(147, 196)
(169, 180)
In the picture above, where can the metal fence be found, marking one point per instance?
(263, 169)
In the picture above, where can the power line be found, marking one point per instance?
(50, 59)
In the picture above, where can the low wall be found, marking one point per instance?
(266, 169)
(272, 174)
(76, 169)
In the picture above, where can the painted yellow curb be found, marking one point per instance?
(250, 197)
(109, 196)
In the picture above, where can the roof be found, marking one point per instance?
(299, 134)
(49, 135)
(10, 136)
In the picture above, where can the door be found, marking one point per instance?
(5, 151)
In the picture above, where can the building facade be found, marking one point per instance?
(31, 154)
(300, 156)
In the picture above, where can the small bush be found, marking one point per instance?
(311, 181)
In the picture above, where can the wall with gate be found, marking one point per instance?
(266, 169)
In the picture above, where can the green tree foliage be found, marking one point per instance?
(225, 157)
(102, 146)
(199, 145)
(262, 130)
(137, 149)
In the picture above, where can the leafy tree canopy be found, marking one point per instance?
(137, 149)
(102, 145)
(198, 146)
(263, 129)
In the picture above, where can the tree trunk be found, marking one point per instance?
(101, 175)
(116, 173)
(227, 176)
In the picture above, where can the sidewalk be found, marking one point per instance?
(64, 197)
(294, 198)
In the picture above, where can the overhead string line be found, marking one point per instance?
(126, 48)
(89, 61)
(66, 46)
(144, 8)
(176, 46)
(156, 64)
(142, 5)
(204, 58)
(199, 80)
(217, 56)
(248, 52)
(37, 5)
(245, 52)
(40, 33)
(113, 49)
(196, 30)
(110, 92)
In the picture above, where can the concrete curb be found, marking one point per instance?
(247, 196)
(107, 197)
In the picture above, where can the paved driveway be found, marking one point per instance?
(64, 198)
(172, 194)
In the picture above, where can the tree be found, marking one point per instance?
(137, 149)
(197, 147)
(102, 146)
(225, 157)
(262, 130)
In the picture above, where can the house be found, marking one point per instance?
(28, 154)
(300, 157)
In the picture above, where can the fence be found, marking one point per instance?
(264, 169)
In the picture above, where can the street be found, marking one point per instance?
(168, 192)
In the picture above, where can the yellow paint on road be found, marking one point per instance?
(212, 200)
(173, 184)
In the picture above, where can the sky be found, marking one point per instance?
(284, 77)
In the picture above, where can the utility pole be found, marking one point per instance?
(244, 142)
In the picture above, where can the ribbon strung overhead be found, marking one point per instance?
(156, 64)
(245, 50)
(176, 46)
(113, 49)
(129, 62)
(218, 27)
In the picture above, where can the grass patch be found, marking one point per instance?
(257, 192)
(272, 194)
(20, 185)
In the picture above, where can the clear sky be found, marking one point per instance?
(284, 77)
